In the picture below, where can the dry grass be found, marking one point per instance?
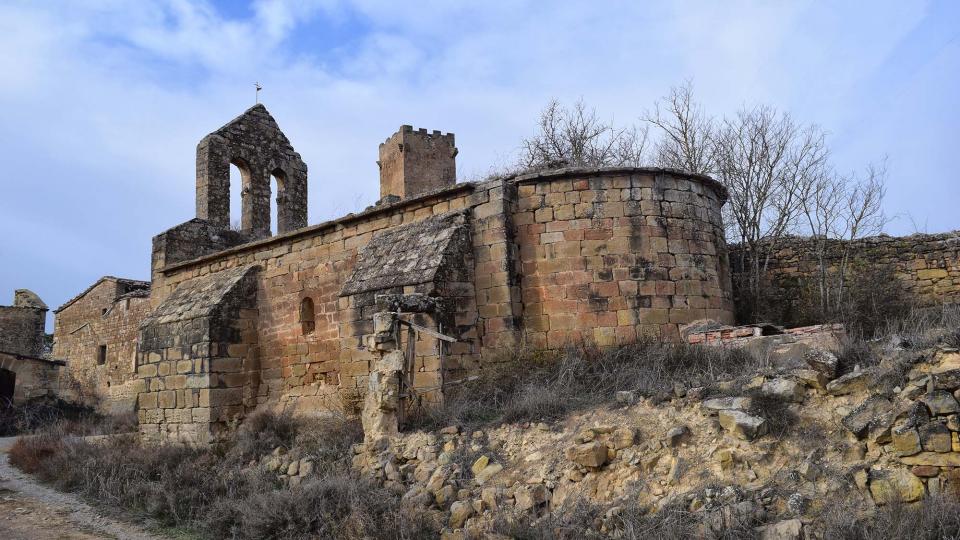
(215, 493)
(934, 518)
(532, 387)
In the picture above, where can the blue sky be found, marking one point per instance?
(104, 101)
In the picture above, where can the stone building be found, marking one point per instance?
(95, 332)
(241, 319)
(25, 372)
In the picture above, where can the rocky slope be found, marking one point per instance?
(769, 453)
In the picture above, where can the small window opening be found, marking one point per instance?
(238, 182)
(102, 355)
(307, 320)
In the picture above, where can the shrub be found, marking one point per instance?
(43, 411)
(215, 490)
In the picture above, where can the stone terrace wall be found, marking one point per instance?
(106, 315)
(928, 265)
(607, 256)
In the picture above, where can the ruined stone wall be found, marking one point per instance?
(32, 377)
(926, 265)
(608, 257)
(22, 329)
(108, 315)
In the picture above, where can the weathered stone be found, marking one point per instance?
(460, 511)
(625, 397)
(859, 420)
(790, 529)
(905, 440)
(925, 471)
(742, 425)
(728, 403)
(677, 435)
(811, 378)
(622, 438)
(592, 454)
(895, 486)
(947, 380)
(528, 497)
(479, 465)
(935, 437)
(487, 473)
(850, 383)
(822, 361)
(783, 389)
(941, 402)
(936, 459)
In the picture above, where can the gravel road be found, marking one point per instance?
(32, 511)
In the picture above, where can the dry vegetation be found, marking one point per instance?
(225, 492)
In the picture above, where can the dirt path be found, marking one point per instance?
(31, 511)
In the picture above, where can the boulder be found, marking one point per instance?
(895, 486)
(822, 361)
(591, 454)
(870, 411)
(941, 402)
(727, 403)
(742, 425)
(858, 381)
(783, 389)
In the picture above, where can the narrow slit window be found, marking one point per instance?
(102, 355)
(307, 320)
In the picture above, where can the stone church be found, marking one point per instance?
(233, 320)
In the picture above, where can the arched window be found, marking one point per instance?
(307, 321)
(277, 179)
(239, 178)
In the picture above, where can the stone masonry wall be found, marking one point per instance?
(327, 368)
(608, 257)
(33, 377)
(927, 265)
(197, 359)
(107, 315)
(21, 330)
(603, 256)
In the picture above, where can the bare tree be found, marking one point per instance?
(686, 131)
(844, 208)
(577, 137)
(765, 159)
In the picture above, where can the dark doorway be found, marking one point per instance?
(8, 380)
